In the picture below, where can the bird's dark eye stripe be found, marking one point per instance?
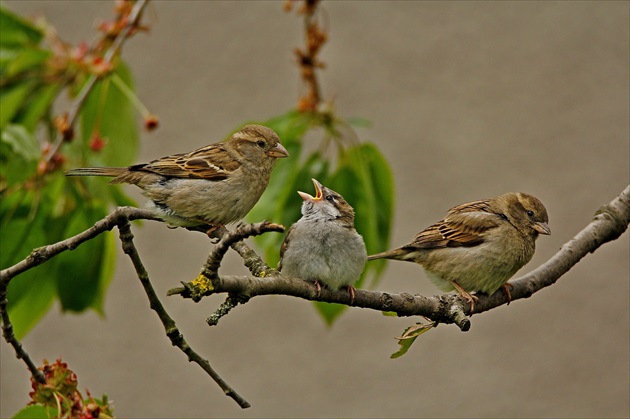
(503, 216)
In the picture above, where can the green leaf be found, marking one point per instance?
(107, 112)
(409, 336)
(11, 100)
(36, 411)
(359, 122)
(382, 180)
(38, 107)
(31, 294)
(108, 267)
(382, 183)
(25, 58)
(119, 198)
(329, 312)
(365, 180)
(22, 143)
(79, 274)
(17, 31)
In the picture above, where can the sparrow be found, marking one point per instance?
(479, 245)
(214, 185)
(323, 246)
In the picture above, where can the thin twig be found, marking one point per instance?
(44, 253)
(255, 264)
(170, 327)
(229, 238)
(308, 60)
(7, 332)
(225, 307)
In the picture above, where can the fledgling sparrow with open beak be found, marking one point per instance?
(214, 185)
(323, 246)
(478, 246)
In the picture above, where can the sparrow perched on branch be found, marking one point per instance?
(323, 246)
(478, 246)
(214, 185)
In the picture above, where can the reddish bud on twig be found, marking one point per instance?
(151, 122)
(100, 67)
(63, 126)
(80, 51)
(97, 143)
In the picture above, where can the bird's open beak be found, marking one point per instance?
(278, 151)
(318, 192)
(542, 228)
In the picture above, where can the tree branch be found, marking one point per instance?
(202, 284)
(307, 58)
(120, 218)
(44, 253)
(173, 333)
(7, 332)
(609, 223)
(230, 238)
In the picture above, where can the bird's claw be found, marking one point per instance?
(466, 296)
(318, 287)
(351, 290)
(506, 289)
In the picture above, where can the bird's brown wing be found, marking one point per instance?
(458, 229)
(483, 205)
(211, 162)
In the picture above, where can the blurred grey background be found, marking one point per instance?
(468, 100)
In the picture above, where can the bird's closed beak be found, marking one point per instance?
(278, 151)
(542, 228)
(318, 192)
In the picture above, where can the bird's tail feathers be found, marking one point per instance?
(96, 171)
(397, 254)
(390, 254)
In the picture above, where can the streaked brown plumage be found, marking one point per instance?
(216, 184)
(479, 245)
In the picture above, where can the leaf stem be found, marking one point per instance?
(130, 95)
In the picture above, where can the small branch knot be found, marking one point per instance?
(198, 287)
(618, 221)
(37, 256)
(456, 312)
(386, 299)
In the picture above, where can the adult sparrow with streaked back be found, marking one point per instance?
(479, 245)
(323, 246)
(216, 184)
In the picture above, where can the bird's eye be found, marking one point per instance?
(330, 198)
(261, 143)
(530, 213)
